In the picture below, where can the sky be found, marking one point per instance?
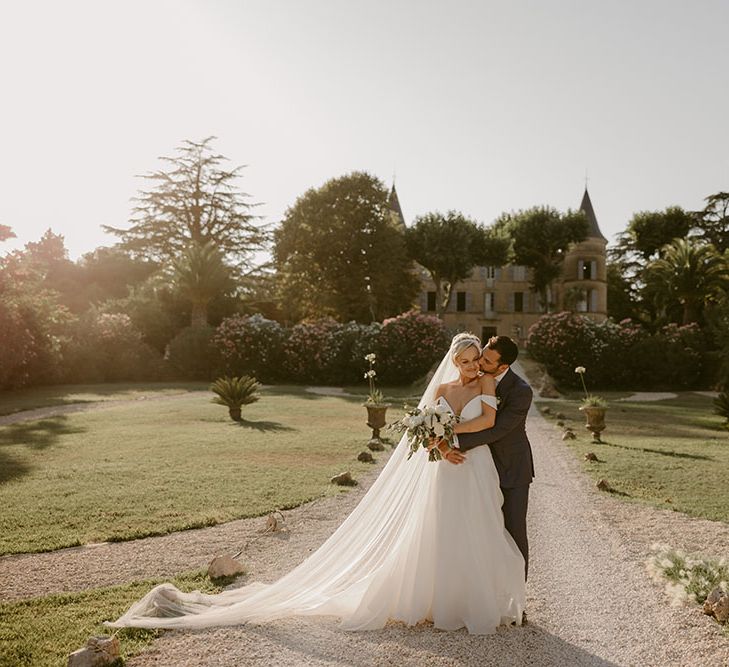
(479, 106)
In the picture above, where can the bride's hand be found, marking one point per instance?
(434, 442)
(454, 456)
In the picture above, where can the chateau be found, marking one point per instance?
(498, 300)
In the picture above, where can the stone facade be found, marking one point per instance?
(499, 301)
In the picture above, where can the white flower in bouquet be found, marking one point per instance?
(420, 425)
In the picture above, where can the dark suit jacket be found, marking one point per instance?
(508, 439)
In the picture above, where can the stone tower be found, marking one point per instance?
(395, 210)
(584, 272)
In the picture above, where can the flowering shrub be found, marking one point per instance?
(192, 355)
(618, 354)
(17, 347)
(106, 347)
(33, 325)
(309, 352)
(564, 341)
(675, 354)
(408, 345)
(329, 352)
(251, 345)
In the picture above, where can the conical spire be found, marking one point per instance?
(394, 204)
(593, 231)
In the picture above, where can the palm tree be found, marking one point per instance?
(689, 275)
(201, 275)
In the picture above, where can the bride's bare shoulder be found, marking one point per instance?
(443, 389)
(488, 384)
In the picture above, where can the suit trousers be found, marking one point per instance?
(516, 501)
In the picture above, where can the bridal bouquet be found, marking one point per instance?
(421, 425)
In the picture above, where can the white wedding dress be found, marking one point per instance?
(426, 543)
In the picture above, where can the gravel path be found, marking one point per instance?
(590, 601)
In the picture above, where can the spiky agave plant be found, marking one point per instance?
(721, 406)
(235, 392)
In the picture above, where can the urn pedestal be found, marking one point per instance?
(595, 420)
(376, 420)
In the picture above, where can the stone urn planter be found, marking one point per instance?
(376, 420)
(595, 420)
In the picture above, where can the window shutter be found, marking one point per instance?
(497, 273)
(424, 301)
(511, 302)
(468, 302)
(593, 269)
(580, 269)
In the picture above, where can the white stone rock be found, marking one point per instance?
(99, 651)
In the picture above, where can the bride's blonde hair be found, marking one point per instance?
(463, 341)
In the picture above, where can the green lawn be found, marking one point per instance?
(673, 454)
(55, 395)
(160, 466)
(41, 632)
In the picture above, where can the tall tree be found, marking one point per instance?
(33, 320)
(449, 247)
(194, 202)
(687, 277)
(111, 273)
(201, 275)
(622, 297)
(338, 251)
(649, 231)
(541, 237)
(714, 221)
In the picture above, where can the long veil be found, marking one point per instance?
(362, 573)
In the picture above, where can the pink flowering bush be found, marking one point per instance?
(408, 345)
(325, 351)
(252, 345)
(328, 352)
(563, 341)
(673, 357)
(617, 355)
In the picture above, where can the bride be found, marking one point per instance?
(426, 543)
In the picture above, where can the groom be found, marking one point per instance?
(508, 439)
